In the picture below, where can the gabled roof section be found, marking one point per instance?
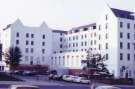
(123, 14)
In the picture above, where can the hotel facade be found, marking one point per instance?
(113, 36)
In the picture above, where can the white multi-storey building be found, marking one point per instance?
(113, 36)
(35, 43)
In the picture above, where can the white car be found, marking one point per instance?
(23, 87)
(85, 80)
(107, 87)
(68, 78)
(76, 79)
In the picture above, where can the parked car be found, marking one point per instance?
(27, 73)
(85, 80)
(68, 78)
(55, 77)
(107, 87)
(23, 87)
(81, 80)
(76, 79)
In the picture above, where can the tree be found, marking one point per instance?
(12, 57)
(94, 63)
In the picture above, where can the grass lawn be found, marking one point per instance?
(6, 77)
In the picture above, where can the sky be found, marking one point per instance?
(57, 14)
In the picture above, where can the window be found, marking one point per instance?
(82, 36)
(106, 17)
(134, 46)
(85, 29)
(43, 43)
(76, 37)
(134, 26)
(31, 50)
(26, 50)
(32, 35)
(85, 36)
(81, 43)
(106, 26)
(121, 24)
(106, 36)
(32, 43)
(95, 41)
(128, 56)
(60, 39)
(60, 45)
(43, 36)
(73, 38)
(94, 27)
(27, 35)
(85, 43)
(69, 45)
(76, 44)
(128, 45)
(73, 45)
(121, 45)
(128, 25)
(27, 42)
(61, 34)
(17, 34)
(128, 35)
(121, 56)
(91, 42)
(17, 42)
(121, 35)
(130, 73)
(99, 37)
(99, 47)
(99, 27)
(107, 57)
(43, 51)
(106, 46)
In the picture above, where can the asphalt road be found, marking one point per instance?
(57, 84)
(6, 86)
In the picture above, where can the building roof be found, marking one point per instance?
(123, 14)
(85, 27)
(59, 31)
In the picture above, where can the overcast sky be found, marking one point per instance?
(58, 14)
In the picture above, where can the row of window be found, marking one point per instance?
(28, 35)
(92, 42)
(82, 36)
(77, 56)
(31, 50)
(128, 25)
(128, 45)
(128, 56)
(128, 35)
(28, 42)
